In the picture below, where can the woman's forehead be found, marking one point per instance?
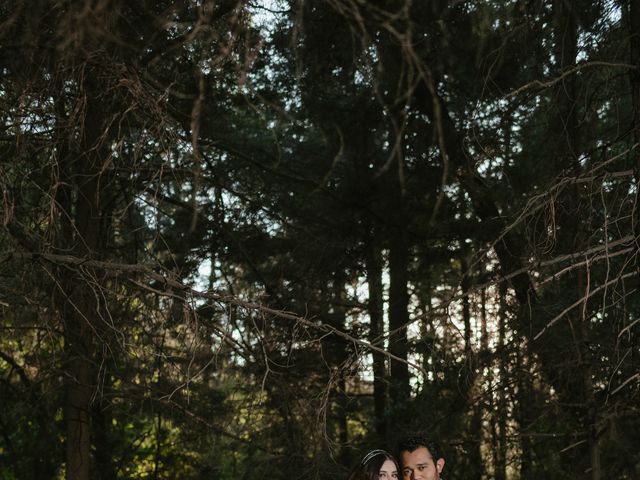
(388, 465)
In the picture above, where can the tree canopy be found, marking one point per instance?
(256, 238)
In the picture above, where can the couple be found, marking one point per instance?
(421, 459)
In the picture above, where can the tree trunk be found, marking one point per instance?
(466, 307)
(474, 460)
(634, 78)
(493, 388)
(566, 49)
(523, 415)
(392, 84)
(77, 300)
(104, 456)
(79, 351)
(399, 316)
(503, 368)
(336, 354)
(343, 424)
(374, 263)
(634, 75)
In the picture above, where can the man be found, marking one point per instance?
(420, 458)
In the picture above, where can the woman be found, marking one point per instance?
(375, 465)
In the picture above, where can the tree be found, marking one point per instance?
(251, 238)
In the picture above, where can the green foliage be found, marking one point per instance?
(216, 213)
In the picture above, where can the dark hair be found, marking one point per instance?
(413, 442)
(369, 467)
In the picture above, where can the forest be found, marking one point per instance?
(254, 239)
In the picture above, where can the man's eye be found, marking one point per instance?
(421, 468)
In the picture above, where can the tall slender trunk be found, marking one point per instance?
(474, 460)
(104, 454)
(524, 417)
(590, 415)
(79, 311)
(343, 423)
(466, 306)
(492, 404)
(634, 75)
(633, 13)
(393, 85)
(374, 264)
(428, 335)
(157, 457)
(399, 316)
(77, 300)
(503, 369)
(337, 356)
(566, 49)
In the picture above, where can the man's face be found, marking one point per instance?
(419, 465)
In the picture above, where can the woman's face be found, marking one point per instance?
(388, 471)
